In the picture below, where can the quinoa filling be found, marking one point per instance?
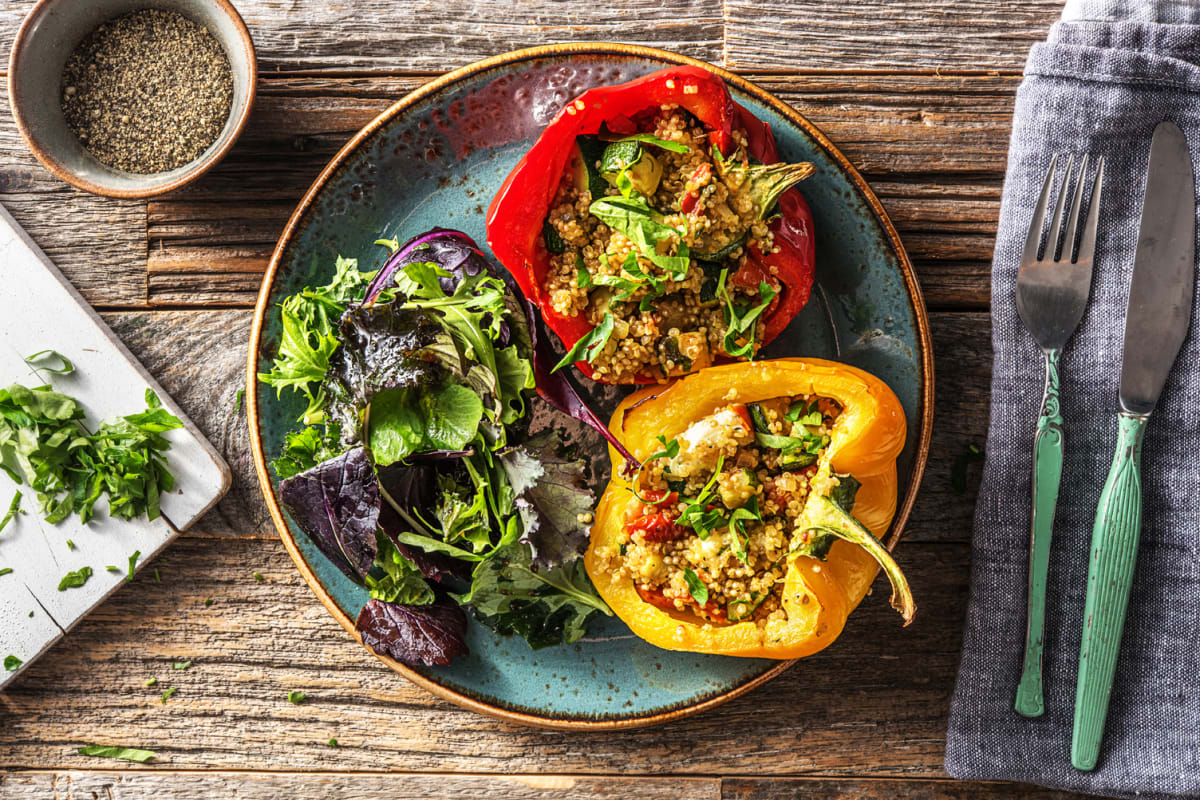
(648, 235)
(717, 510)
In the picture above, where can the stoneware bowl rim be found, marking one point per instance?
(298, 221)
(197, 168)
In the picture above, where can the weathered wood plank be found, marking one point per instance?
(881, 690)
(881, 34)
(431, 36)
(933, 147)
(199, 357)
(148, 784)
(826, 789)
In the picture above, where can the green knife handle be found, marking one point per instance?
(1110, 577)
(1047, 473)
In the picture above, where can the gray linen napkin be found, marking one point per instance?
(1099, 85)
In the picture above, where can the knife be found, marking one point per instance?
(1156, 322)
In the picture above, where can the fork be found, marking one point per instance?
(1052, 292)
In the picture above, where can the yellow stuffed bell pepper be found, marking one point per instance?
(733, 535)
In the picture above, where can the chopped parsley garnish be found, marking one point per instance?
(333, 743)
(168, 693)
(151, 681)
(65, 366)
(258, 577)
(14, 508)
(696, 586)
(741, 319)
(11, 663)
(44, 443)
(123, 753)
(296, 698)
(112, 568)
(208, 602)
(70, 545)
(181, 664)
(73, 580)
(590, 344)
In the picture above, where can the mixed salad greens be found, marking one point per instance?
(417, 472)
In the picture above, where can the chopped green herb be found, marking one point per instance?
(180, 664)
(634, 217)
(333, 743)
(208, 602)
(241, 397)
(11, 663)
(589, 345)
(696, 586)
(647, 138)
(6, 570)
(112, 568)
(168, 693)
(123, 753)
(132, 561)
(958, 473)
(296, 698)
(70, 545)
(258, 577)
(741, 319)
(151, 681)
(13, 509)
(31, 615)
(157, 577)
(65, 367)
(73, 580)
(583, 278)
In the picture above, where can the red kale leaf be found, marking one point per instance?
(337, 504)
(429, 635)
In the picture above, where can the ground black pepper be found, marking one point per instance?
(148, 92)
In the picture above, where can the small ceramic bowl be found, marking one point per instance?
(40, 51)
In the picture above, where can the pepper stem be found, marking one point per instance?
(826, 516)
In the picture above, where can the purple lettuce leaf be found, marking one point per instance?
(556, 389)
(552, 498)
(414, 635)
(336, 503)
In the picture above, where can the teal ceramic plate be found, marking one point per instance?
(435, 159)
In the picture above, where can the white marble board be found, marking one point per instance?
(39, 310)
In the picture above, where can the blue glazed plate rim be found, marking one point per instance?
(299, 220)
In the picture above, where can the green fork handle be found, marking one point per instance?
(1110, 578)
(1047, 474)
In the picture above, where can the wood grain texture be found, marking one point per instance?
(882, 689)
(433, 36)
(147, 784)
(199, 357)
(789, 788)
(881, 34)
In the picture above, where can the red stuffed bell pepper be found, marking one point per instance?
(655, 228)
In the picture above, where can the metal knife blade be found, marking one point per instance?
(1164, 265)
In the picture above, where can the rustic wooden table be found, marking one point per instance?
(918, 94)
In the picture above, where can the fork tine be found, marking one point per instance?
(1051, 253)
(1087, 243)
(1034, 239)
(1068, 247)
